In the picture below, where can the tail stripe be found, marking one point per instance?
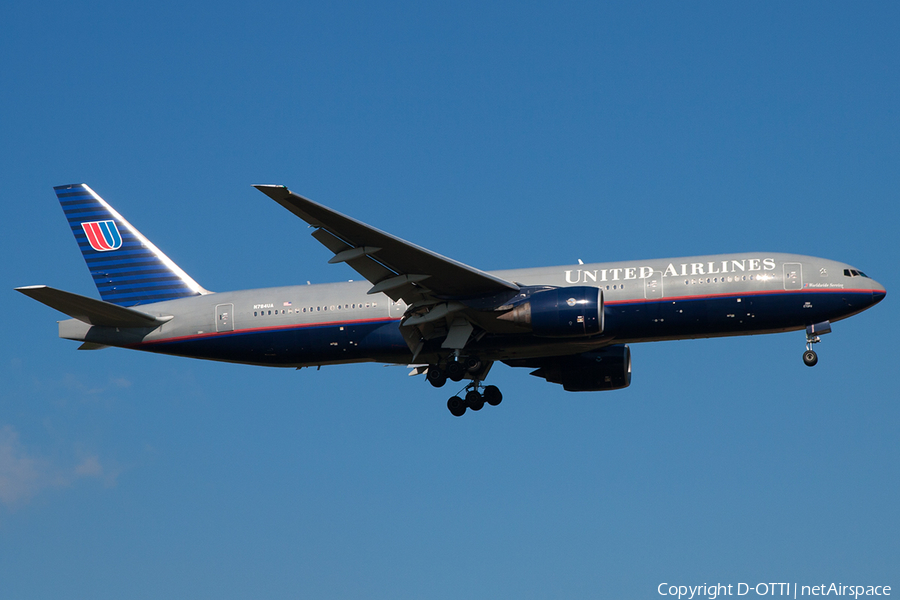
(126, 267)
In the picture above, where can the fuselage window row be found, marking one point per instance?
(718, 280)
(290, 311)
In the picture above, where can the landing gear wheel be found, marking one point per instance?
(474, 400)
(436, 376)
(456, 406)
(473, 364)
(810, 358)
(455, 370)
(492, 395)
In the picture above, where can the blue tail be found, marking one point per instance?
(127, 268)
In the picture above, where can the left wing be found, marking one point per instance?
(447, 300)
(398, 268)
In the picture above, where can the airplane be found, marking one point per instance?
(447, 320)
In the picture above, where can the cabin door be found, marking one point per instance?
(793, 276)
(653, 286)
(225, 317)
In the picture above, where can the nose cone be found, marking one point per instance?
(878, 292)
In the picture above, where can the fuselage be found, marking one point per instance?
(644, 300)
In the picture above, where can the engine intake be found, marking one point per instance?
(561, 312)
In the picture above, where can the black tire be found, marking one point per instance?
(456, 406)
(455, 370)
(436, 376)
(492, 395)
(473, 364)
(474, 400)
(810, 358)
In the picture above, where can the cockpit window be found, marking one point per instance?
(854, 273)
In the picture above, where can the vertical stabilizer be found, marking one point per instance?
(127, 268)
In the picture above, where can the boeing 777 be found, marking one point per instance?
(447, 320)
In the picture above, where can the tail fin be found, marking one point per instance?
(127, 268)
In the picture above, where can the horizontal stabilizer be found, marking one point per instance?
(91, 311)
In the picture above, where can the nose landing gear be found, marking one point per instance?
(810, 358)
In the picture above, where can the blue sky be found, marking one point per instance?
(503, 135)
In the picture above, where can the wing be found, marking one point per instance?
(400, 269)
(448, 302)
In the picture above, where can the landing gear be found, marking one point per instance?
(475, 400)
(812, 337)
(474, 395)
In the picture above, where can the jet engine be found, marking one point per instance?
(560, 312)
(604, 369)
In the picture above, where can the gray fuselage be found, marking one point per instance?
(644, 300)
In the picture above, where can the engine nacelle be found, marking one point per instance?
(561, 312)
(605, 369)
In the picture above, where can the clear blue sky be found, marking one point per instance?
(503, 135)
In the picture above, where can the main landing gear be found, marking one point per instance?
(810, 358)
(474, 399)
(457, 370)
